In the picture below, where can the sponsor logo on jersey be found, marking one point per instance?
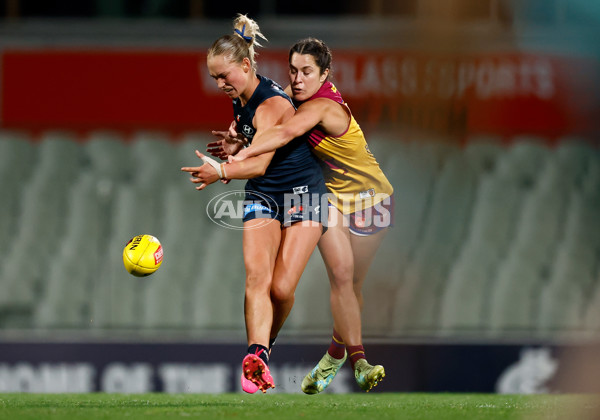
(367, 194)
(301, 190)
(247, 130)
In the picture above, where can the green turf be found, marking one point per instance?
(375, 406)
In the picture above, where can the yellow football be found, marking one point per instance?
(142, 255)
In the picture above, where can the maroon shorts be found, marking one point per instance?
(372, 219)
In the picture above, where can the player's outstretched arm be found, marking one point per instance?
(271, 112)
(307, 116)
(211, 171)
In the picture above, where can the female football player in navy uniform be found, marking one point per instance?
(275, 253)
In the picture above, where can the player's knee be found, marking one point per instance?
(281, 293)
(258, 283)
(341, 276)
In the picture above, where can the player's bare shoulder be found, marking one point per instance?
(276, 109)
(333, 117)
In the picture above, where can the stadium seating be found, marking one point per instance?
(467, 292)
(117, 296)
(164, 296)
(412, 172)
(591, 182)
(514, 297)
(591, 316)
(153, 162)
(417, 302)
(218, 289)
(490, 239)
(70, 278)
(442, 236)
(394, 253)
(16, 153)
(40, 222)
(562, 300)
(17, 157)
(582, 224)
(107, 156)
(539, 227)
(384, 281)
(483, 152)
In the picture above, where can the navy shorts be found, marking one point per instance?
(287, 208)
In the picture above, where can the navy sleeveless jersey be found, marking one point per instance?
(293, 164)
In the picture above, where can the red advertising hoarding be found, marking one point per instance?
(500, 93)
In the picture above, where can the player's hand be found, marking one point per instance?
(203, 175)
(239, 156)
(216, 148)
(229, 143)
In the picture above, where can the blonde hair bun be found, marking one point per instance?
(247, 29)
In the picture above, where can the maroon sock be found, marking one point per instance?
(355, 353)
(337, 347)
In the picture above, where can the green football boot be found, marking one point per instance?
(367, 376)
(321, 376)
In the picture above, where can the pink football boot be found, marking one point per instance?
(257, 372)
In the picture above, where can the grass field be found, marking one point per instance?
(376, 406)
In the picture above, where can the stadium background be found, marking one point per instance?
(483, 113)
